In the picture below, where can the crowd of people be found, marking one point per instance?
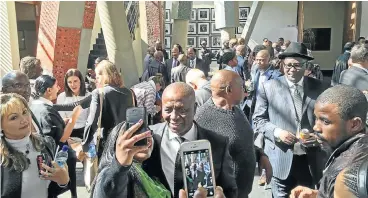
(268, 105)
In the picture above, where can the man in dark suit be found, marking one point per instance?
(357, 75)
(178, 102)
(195, 62)
(170, 64)
(284, 107)
(341, 63)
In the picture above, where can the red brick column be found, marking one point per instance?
(155, 21)
(58, 47)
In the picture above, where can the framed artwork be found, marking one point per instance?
(203, 28)
(243, 13)
(212, 14)
(216, 42)
(167, 15)
(203, 14)
(213, 29)
(191, 42)
(193, 15)
(215, 51)
(167, 42)
(203, 38)
(167, 28)
(192, 28)
(239, 30)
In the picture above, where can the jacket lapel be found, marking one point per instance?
(306, 98)
(287, 96)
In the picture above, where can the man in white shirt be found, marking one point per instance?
(284, 107)
(178, 111)
(195, 62)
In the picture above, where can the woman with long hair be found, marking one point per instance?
(52, 124)
(20, 151)
(75, 90)
(116, 99)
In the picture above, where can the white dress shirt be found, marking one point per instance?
(169, 149)
(277, 131)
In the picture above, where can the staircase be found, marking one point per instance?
(99, 48)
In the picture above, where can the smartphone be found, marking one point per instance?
(197, 167)
(133, 115)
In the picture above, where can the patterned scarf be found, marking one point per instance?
(151, 187)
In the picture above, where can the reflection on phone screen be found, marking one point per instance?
(198, 171)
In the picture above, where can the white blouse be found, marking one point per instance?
(30, 177)
(82, 119)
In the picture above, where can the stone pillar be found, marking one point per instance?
(151, 23)
(9, 50)
(118, 41)
(227, 18)
(64, 36)
(251, 21)
(181, 11)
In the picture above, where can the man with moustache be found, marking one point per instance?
(340, 116)
(284, 107)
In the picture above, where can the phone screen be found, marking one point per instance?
(198, 171)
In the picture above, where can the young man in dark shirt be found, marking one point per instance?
(340, 122)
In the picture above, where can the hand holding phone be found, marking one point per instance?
(125, 149)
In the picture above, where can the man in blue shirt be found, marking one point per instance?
(242, 67)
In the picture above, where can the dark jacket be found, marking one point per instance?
(341, 65)
(113, 178)
(355, 77)
(115, 103)
(350, 151)
(11, 185)
(200, 64)
(167, 70)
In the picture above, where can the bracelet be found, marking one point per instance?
(63, 185)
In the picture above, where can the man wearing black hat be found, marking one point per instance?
(341, 63)
(284, 107)
(230, 61)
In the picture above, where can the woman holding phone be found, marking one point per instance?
(19, 152)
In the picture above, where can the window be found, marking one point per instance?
(317, 39)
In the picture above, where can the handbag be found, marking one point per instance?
(90, 165)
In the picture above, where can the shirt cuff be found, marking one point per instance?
(277, 133)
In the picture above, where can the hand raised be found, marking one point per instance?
(56, 174)
(125, 149)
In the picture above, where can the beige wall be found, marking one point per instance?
(25, 12)
(364, 20)
(326, 14)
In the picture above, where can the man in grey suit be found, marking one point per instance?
(195, 62)
(284, 107)
(170, 64)
(179, 73)
(357, 75)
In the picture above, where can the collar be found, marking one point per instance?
(42, 100)
(291, 84)
(203, 83)
(191, 135)
(359, 66)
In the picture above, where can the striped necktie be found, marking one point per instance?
(298, 103)
(178, 173)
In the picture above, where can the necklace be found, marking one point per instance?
(28, 147)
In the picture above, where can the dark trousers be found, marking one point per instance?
(299, 175)
(72, 165)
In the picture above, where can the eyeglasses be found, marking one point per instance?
(297, 66)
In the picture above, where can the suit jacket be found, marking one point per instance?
(179, 73)
(355, 77)
(275, 109)
(168, 67)
(200, 64)
(224, 172)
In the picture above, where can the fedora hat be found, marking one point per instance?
(296, 50)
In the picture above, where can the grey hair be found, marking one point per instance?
(359, 53)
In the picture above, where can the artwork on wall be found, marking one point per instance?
(216, 41)
(167, 15)
(239, 30)
(191, 42)
(167, 28)
(215, 51)
(167, 42)
(193, 15)
(203, 38)
(192, 28)
(213, 29)
(212, 14)
(203, 28)
(243, 13)
(203, 14)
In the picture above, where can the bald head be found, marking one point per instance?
(16, 82)
(179, 90)
(263, 59)
(227, 85)
(223, 78)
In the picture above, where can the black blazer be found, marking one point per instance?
(220, 154)
(355, 77)
(200, 64)
(168, 68)
(115, 103)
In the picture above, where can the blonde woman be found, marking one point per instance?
(19, 152)
(116, 99)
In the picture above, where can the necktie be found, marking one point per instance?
(178, 173)
(174, 63)
(298, 104)
(192, 63)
